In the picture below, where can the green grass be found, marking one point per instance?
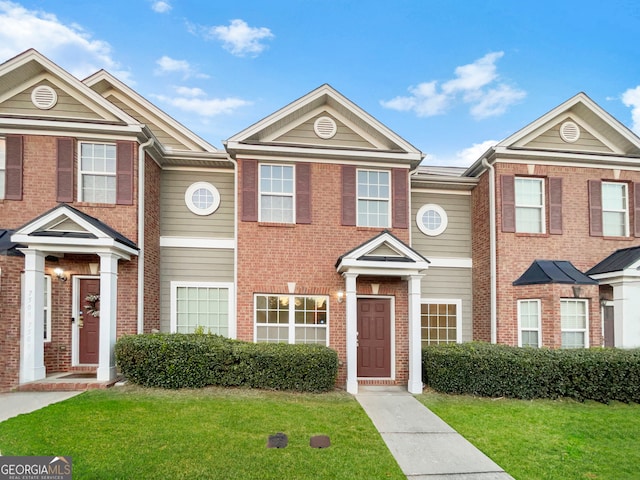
(135, 433)
(544, 439)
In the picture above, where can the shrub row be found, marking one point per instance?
(502, 371)
(198, 360)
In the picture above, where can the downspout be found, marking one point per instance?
(234, 331)
(492, 247)
(141, 220)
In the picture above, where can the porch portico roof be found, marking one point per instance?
(65, 229)
(383, 255)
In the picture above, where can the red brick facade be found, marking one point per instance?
(39, 196)
(271, 255)
(516, 251)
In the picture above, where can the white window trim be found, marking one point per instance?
(443, 217)
(292, 321)
(292, 194)
(584, 330)
(624, 210)
(388, 200)
(539, 329)
(542, 207)
(91, 172)
(455, 301)
(188, 198)
(3, 165)
(173, 319)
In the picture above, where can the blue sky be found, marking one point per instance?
(451, 77)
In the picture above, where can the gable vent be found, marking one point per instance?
(569, 132)
(325, 127)
(44, 97)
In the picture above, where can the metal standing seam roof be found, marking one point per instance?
(553, 271)
(617, 261)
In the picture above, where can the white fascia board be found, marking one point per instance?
(284, 150)
(57, 250)
(509, 155)
(59, 213)
(386, 266)
(197, 242)
(383, 271)
(393, 242)
(72, 244)
(68, 125)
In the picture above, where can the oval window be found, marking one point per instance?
(202, 198)
(432, 219)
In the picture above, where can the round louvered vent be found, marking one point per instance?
(325, 127)
(44, 97)
(570, 132)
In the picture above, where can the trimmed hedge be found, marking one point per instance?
(197, 360)
(488, 370)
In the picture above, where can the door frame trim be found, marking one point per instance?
(75, 307)
(392, 314)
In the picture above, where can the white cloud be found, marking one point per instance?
(70, 46)
(193, 100)
(476, 84)
(240, 39)
(631, 99)
(167, 65)
(161, 7)
(467, 156)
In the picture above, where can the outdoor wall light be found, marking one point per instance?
(60, 274)
(340, 296)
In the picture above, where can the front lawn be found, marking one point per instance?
(545, 439)
(135, 433)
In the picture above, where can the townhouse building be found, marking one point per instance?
(317, 224)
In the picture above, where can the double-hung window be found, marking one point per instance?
(374, 198)
(291, 319)
(574, 323)
(205, 307)
(277, 193)
(439, 321)
(3, 165)
(529, 323)
(529, 199)
(98, 172)
(615, 211)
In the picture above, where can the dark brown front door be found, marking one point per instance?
(609, 332)
(88, 323)
(374, 337)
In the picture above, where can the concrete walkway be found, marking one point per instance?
(425, 447)
(14, 403)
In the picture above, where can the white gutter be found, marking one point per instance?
(492, 247)
(233, 332)
(141, 220)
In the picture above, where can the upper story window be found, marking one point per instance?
(529, 197)
(3, 166)
(615, 211)
(431, 219)
(202, 198)
(277, 193)
(374, 198)
(98, 172)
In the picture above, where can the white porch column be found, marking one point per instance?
(108, 316)
(352, 332)
(415, 338)
(32, 323)
(626, 311)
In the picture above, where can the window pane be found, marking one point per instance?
(202, 307)
(439, 323)
(614, 224)
(614, 196)
(276, 193)
(98, 166)
(529, 205)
